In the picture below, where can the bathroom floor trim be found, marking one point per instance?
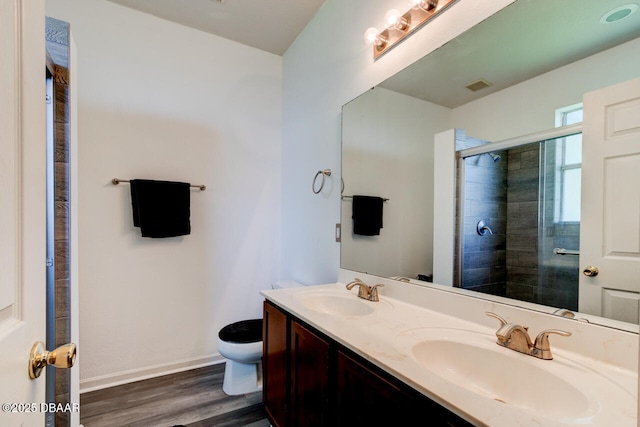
(119, 378)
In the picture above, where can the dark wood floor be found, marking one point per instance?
(191, 399)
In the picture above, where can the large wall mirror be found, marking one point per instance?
(521, 71)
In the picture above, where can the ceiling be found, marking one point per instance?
(524, 40)
(267, 25)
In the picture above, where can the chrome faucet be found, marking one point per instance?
(564, 313)
(370, 293)
(570, 314)
(364, 291)
(516, 337)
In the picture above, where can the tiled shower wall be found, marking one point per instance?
(484, 267)
(522, 226)
(506, 195)
(57, 43)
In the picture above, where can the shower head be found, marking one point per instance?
(495, 157)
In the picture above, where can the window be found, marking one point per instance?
(569, 167)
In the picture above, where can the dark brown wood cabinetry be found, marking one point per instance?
(311, 380)
(309, 367)
(275, 364)
(363, 396)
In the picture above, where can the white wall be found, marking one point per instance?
(387, 151)
(328, 65)
(530, 106)
(161, 101)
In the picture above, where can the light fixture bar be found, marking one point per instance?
(407, 23)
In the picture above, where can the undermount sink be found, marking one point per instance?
(474, 362)
(339, 302)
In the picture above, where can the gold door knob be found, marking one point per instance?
(590, 271)
(62, 357)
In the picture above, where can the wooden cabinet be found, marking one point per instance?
(309, 377)
(295, 370)
(366, 398)
(311, 380)
(275, 364)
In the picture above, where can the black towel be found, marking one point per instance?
(367, 215)
(161, 208)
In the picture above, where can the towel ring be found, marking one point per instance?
(326, 172)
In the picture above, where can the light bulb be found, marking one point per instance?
(372, 36)
(426, 5)
(395, 19)
(392, 17)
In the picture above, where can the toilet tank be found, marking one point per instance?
(282, 284)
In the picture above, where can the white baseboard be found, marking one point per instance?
(125, 377)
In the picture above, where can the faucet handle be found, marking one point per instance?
(542, 349)
(373, 292)
(492, 314)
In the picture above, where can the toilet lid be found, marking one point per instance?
(245, 331)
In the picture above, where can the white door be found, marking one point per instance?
(22, 208)
(610, 222)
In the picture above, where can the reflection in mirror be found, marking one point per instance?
(536, 63)
(518, 211)
(386, 153)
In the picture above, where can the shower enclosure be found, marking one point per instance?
(518, 219)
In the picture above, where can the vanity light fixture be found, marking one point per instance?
(401, 25)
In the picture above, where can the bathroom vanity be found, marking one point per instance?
(332, 358)
(310, 379)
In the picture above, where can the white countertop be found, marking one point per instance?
(387, 335)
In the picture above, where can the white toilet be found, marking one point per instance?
(241, 344)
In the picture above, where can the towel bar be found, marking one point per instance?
(563, 251)
(116, 181)
(351, 197)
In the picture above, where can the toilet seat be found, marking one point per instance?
(244, 331)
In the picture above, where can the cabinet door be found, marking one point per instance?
(368, 398)
(364, 398)
(309, 378)
(274, 365)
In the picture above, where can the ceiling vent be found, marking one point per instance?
(478, 85)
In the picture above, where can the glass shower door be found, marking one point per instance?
(559, 236)
(528, 200)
